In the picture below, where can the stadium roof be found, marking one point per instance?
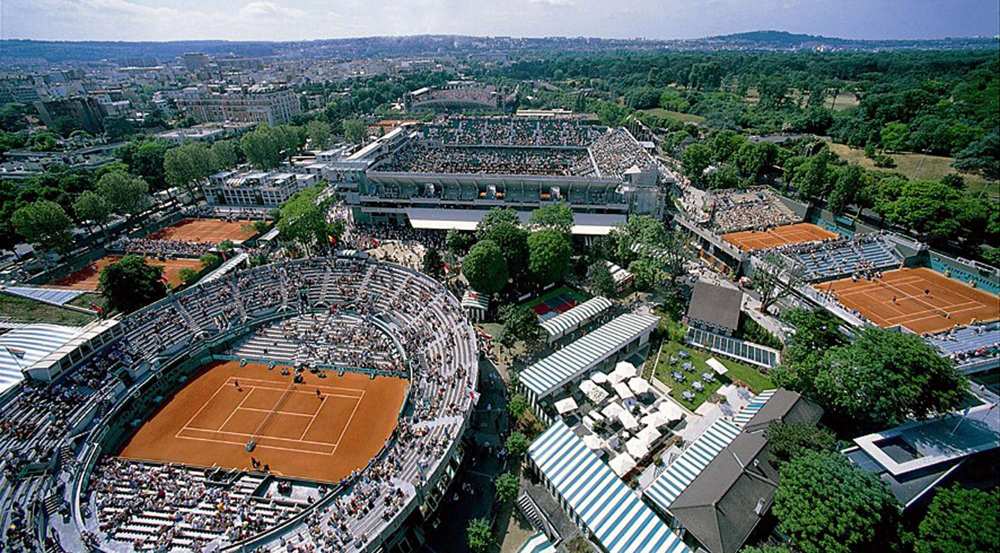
(584, 224)
(537, 544)
(23, 346)
(562, 366)
(572, 319)
(616, 518)
(226, 267)
(53, 296)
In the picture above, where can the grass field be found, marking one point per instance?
(842, 101)
(916, 166)
(87, 300)
(746, 374)
(23, 310)
(675, 115)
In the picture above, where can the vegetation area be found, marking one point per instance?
(24, 310)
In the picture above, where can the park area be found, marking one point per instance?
(691, 364)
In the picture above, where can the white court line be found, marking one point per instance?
(268, 436)
(206, 404)
(314, 415)
(349, 421)
(279, 386)
(279, 448)
(225, 422)
(289, 413)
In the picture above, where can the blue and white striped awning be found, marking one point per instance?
(537, 544)
(571, 320)
(52, 296)
(615, 517)
(23, 346)
(562, 366)
(679, 475)
(756, 404)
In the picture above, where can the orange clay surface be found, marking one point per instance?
(752, 240)
(212, 231)
(901, 297)
(298, 433)
(88, 277)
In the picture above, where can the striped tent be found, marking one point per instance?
(23, 346)
(572, 361)
(679, 475)
(596, 499)
(567, 322)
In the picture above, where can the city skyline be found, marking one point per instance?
(139, 20)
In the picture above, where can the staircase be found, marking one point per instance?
(530, 511)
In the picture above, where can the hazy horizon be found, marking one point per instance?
(283, 20)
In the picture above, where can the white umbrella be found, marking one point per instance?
(626, 369)
(637, 448)
(671, 411)
(566, 405)
(622, 390)
(638, 385)
(599, 378)
(655, 418)
(615, 377)
(593, 442)
(597, 395)
(717, 365)
(628, 421)
(611, 410)
(587, 385)
(649, 435)
(622, 464)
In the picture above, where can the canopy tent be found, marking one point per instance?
(628, 420)
(625, 369)
(597, 395)
(716, 365)
(567, 405)
(587, 385)
(622, 390)
(638, 385)
(622, 464)
(599, 378)
(671, 411)
(611, 410)
(637, 448)
(593, 442)
(654, 419)
(649, 435)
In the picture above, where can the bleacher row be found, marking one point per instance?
(843, 257)
(507, 131)
(425, 320)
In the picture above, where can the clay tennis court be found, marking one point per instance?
(901, 297)
(297, 432)
(211, 231)
(88, 278)
(752, 240)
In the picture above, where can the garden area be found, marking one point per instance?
(696, 363)
(23, 310)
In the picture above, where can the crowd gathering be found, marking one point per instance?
(751, 209)
(507, 131)
(162, 248)
(614, 153)
(426, 157)
(863, 256)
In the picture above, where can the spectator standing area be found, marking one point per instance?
(212, 231)
(88, 278)
(754, 240)
(919, 299)
(297, 432)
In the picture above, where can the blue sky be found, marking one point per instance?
(312, 19)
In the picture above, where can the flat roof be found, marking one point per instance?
(23, 346)
(584, 224)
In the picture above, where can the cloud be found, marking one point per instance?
(264, 9)
(554, 3)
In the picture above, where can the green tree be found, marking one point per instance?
(355, 130)
(648, 274)
(557, 216)
(502, 226)
(549, 252)
(789, 440)
(44, 223)
(126, 194)
(516, 444)
(187, 164)
(302, 220)
(484, 267)
(774, 278)
(479, 535)
(432, 262)
(144, 158)
(827, 505)
(458, 242)
(131, 283)
(517, 406)
(981, 156)
(318, 133)
(508, 484)
(695, 159)
(601, 281)
(189, 276)
(91, 206)
(519, 324)
(894, 136)
(226, 154)
(262, 147)
(960, 520)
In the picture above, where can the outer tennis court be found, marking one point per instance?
(921, 300)
(753, 240)
(298, 432)
(88, 278)
(212, 231)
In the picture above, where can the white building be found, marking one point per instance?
(255, 188)
(269, 104)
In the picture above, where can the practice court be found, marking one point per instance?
(320, 436)
(753, 240)
(88, 278)
(921, 300)
(211, 231)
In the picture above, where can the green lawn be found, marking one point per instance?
(675, 115)
(916, 166)
(23, 310)
(88, 300)
(746, 374)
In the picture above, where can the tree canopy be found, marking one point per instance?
(549, 253)
(44, 223)
(131, 283)
(125, 193)
(484, 267)
(556, 216)
(960, 520)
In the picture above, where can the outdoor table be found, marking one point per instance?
(677, 376)
(697, 385)
(707, 377)
(688, 395)
(688, 366)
